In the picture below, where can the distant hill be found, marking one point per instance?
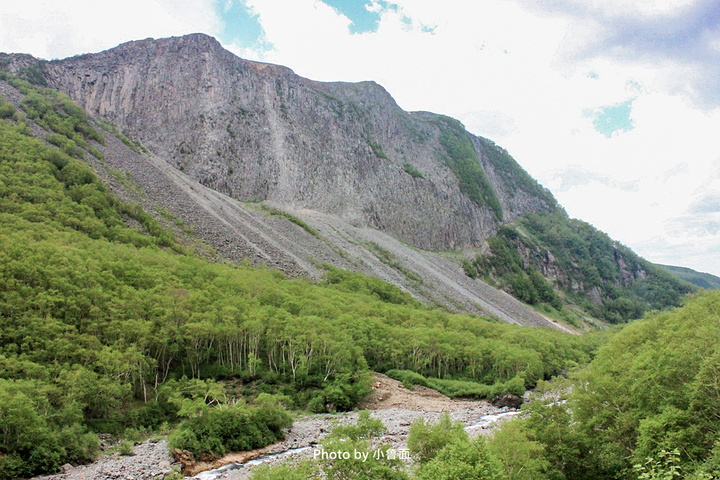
(701, 279)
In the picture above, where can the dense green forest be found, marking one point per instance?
(586, 268)
(107, 324)
(646, 408)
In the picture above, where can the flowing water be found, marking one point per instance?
(488, 419)
(217, 472)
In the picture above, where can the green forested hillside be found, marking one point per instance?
(105, 327)
(700, 279)
(550, 259)
(647, 407)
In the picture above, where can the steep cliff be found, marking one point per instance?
(297, 242)
(259, 132)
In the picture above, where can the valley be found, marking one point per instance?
(226, 257)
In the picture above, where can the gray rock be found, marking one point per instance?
(508, 400)
(256, 131)
(336, 164)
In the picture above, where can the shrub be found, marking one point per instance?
(126, 448)
(425, 440)
(234, 427)
(363, 437)
(343, 393)
(455, 388)
(408, 378)
(376, 149)
(460, 388)
(7, 109)
(412, 171)
(462, 460)
(520, 457)
(304, 470)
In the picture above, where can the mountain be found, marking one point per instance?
(548, 259)
(296, 174)
(701, 279)
(258, 132)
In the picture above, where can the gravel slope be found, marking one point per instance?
(151, 460)
(238, 231)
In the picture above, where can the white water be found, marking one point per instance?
(216, 472)
(488, 419)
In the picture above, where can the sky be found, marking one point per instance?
(613, 105)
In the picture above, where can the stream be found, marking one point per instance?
(217, 472)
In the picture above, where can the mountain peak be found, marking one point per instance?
(201, 41)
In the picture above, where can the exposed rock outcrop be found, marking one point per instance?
(259, 132)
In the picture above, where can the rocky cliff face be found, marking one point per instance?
(259, 132)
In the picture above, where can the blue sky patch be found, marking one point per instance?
(363, 21)
(241, 27)
(611, 118)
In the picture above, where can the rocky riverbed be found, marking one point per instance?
(390, 402)
(151, 460)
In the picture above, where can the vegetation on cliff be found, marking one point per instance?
(584, 266)
(514, 177)
(462, 159)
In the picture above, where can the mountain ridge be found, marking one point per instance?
(266, 236)
(260, 132)
(704, 280)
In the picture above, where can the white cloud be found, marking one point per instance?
(613, 8)
(57, 29)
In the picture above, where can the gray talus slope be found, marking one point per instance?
(259, 132)
(240, 230)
